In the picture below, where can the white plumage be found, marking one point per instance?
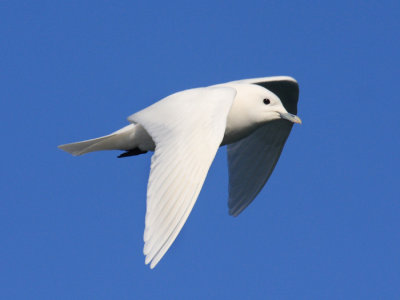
(185, 131)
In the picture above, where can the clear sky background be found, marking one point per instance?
(327, 224)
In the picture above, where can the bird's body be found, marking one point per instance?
(186, 129)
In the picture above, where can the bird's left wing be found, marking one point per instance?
(187, 128)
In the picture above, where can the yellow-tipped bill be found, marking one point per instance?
(291, 118)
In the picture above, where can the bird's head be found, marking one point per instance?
(261, 105)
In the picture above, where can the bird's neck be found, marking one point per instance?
(237, 128)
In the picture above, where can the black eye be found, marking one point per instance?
(266, 101)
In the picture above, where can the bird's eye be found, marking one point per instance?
(266, 101)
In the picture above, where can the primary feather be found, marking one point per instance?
(183, 154)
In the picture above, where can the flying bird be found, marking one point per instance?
(253, 117)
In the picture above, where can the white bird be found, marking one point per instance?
(185, 131)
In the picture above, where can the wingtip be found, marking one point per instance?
(152, 263)
(237, 210)
(146, 249)
(232, 213)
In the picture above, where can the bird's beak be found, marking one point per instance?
(291, 118)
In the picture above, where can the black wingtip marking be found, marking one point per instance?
(132, 152)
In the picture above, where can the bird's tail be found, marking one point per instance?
(118, 140)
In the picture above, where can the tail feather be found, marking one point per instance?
(119, 140)
(83, 147)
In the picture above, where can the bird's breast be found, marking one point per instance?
(237, 129)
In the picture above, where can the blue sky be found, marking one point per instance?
(326, 226)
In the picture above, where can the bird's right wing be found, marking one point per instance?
(187, 128)
(251, 162)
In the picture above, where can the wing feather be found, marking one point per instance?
(187, 129)
(251, 162)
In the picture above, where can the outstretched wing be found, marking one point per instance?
(252, 159)
(251, 162)
(187, 128)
